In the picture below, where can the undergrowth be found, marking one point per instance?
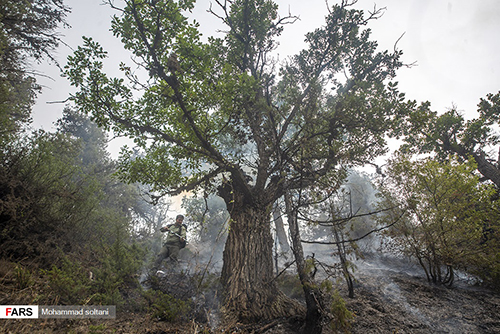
(163, 306)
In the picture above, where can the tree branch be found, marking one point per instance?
(191, 185)
(357, 239)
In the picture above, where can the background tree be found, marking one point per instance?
(64, 220)
(450, 133)
(27, 33)
(219, 116)
(209, 227)
(450, 220)
(333, 218)
(281, 245)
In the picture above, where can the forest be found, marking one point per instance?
(286, 232)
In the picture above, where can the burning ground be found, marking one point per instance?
(391, 296)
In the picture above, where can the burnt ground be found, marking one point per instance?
(388, 299)
(392, 302)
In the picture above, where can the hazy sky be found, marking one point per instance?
(454, 43)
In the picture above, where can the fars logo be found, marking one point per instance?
(18, 311)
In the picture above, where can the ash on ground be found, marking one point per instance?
(391, 296)
(395, 298)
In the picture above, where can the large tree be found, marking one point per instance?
(223, 116)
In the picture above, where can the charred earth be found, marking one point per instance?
(391, 296)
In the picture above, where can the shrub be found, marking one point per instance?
(22, 277)
(165, 307)
(70, 283)
(342, 316)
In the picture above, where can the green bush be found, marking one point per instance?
(75, 283)
(291, 286)
(70, 283)
(165, 307)
(342, 316)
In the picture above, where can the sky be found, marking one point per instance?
(454, 45)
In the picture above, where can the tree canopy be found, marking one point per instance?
(449, 220)
(222, 107)
(28, 32)
(448, 133)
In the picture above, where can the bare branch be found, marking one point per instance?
(350, 217)
(360, 238)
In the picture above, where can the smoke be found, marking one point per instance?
(203, 255)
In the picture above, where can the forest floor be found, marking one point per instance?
(388, 298)
(395, 299)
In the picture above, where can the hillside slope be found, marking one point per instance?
(390, 297)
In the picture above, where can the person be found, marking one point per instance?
(176, 240)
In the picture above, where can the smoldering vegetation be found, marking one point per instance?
(391, 292)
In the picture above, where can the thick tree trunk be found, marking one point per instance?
(250, 292)
(486, 168)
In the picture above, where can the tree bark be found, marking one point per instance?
(280, 232)
(344, 261)
(312, 293)
(486, 168)
(250, 292)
